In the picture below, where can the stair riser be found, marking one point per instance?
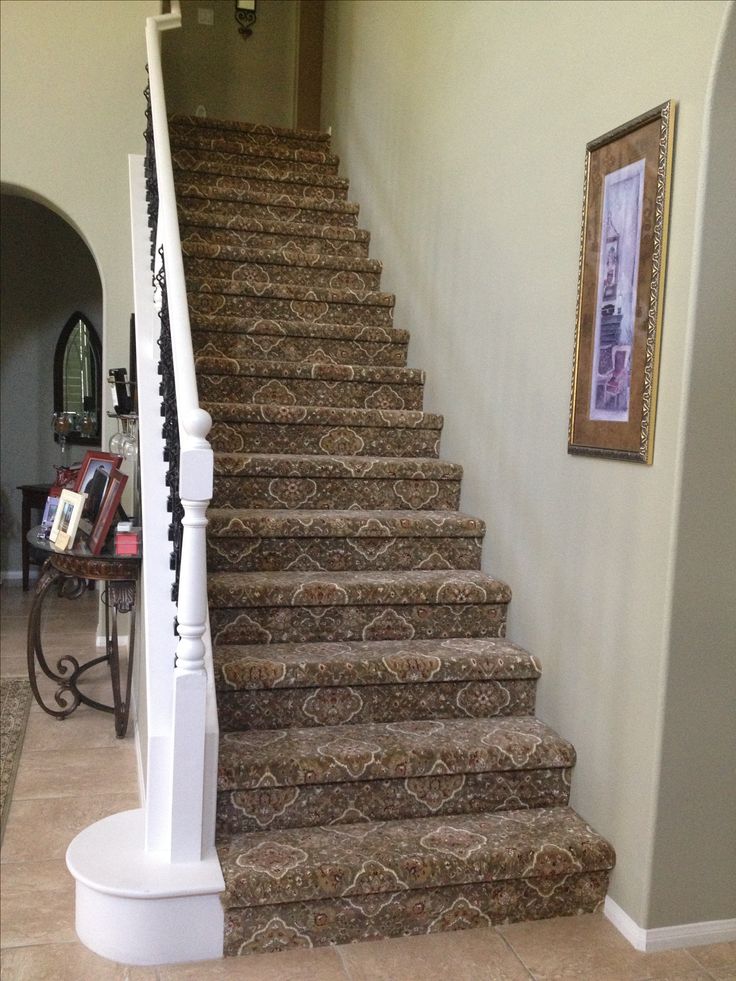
(284, 708)
(260, 179)
(268, 212)
(252, 150)
(308, 391)
(317, 311)
(282, 625)
(232, 190)
(263, 347)
(277, 808)
(355, 493)
(219, 271)
(417, 911)
(293, 240)
(323, 440)
(224, 186)
(236, 163)
(245, 138)
(342, 554)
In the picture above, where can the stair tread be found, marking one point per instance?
(298, 328)
(261, 129)
(375, 662)
(369, 467)
(189, 189)
(443, 587)
(229, 142)
(246, 256)
(272, 412)
(219, 364)
(388, 751)
(287, 291)
(231, 165)
(303, 864)
(255, 523)
(233, 222)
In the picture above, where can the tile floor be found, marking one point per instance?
(74, 772)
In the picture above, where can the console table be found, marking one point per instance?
(70, 571)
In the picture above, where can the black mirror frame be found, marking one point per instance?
(77, 437)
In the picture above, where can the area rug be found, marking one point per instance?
(15, 702)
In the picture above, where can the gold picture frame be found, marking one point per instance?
(623, 247)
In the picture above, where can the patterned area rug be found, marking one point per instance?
(15, 702)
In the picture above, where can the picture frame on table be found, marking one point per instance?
(66, 519)
(49, 513)
(108, 508)
(92, 480)
(623, 248)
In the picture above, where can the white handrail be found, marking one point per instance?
(190, 792)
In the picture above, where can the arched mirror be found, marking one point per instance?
(78, 380)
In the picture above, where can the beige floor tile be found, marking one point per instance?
(718, 959)
(322, 964)
(77, 773)
(36, 904)
(84, 728)
(39, 830)
(66, 962)
(589, 947)
(466, 955)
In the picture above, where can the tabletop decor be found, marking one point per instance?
(113, 492)
(92, 480)
(621, 288)
(66, 519)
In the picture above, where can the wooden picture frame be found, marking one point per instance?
(92, 480)
(66, 519)
(623, 248)
(108, 508)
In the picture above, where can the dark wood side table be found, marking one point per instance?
(34, 499)
(70, 571)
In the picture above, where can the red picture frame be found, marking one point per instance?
(108, 507)
(92, 480)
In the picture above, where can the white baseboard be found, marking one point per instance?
(13, 574)
(669, 938)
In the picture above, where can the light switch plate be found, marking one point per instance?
(206, 16)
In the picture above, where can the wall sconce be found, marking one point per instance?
(245, 15)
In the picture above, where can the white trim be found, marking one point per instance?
(10, 574)
(671, 937)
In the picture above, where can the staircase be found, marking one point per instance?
(381, 769)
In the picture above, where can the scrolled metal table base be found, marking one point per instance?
(70, 574)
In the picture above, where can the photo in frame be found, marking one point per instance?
(92, 480)
(623, 247)
(49, 513)
(66, 519)
(108, 508)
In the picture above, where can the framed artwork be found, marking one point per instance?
(623, 249)
(108, 507)
(92, 480)
(66, 519)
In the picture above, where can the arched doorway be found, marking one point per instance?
(47, 273)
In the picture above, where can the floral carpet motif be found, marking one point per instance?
(15, 703)
(381, 771)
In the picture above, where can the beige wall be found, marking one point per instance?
(47, 274)
(464, 138)
(73, 75)
(696, 817)
(233, 78)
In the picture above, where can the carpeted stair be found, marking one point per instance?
(381, 769)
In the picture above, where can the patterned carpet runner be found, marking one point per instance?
(381, 770)
(15, 703)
